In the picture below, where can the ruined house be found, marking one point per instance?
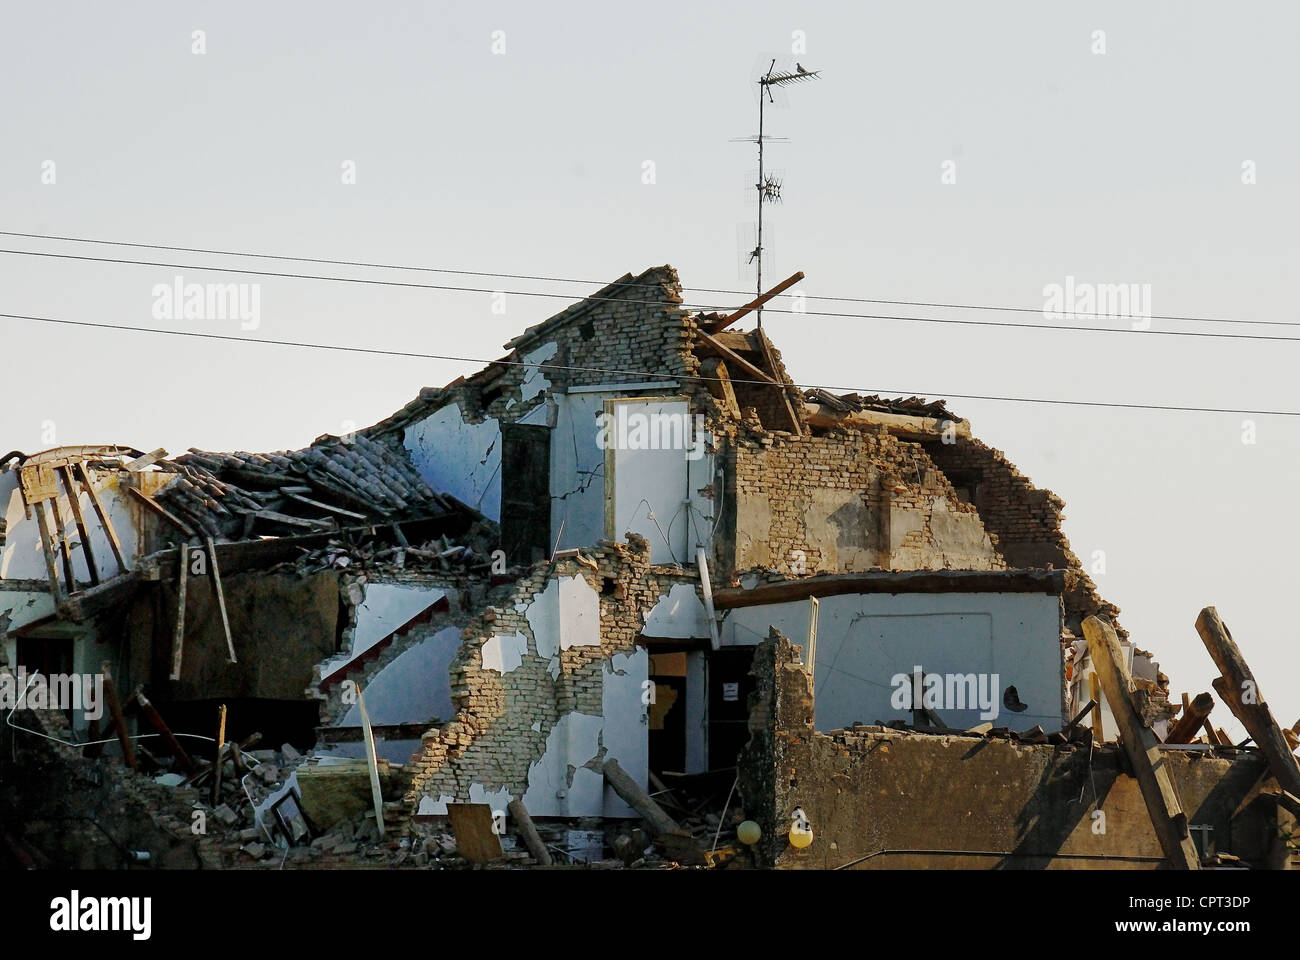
(629, 560)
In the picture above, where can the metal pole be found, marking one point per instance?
(758, 251)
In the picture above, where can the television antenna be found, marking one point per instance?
(768, 188)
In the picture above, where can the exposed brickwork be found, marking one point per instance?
(491, 741)
(1025, 521)
(890, 510)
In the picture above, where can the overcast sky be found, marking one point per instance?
(1119, 167)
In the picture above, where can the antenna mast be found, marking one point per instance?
(769, 188)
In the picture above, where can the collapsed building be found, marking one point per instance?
(556, 600)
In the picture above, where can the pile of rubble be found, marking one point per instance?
(473, 554)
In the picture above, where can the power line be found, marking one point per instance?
(1080, 315)
(376, 351)
(690, 306)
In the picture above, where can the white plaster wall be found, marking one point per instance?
(865, 639)
(414, 687)
(459, 458)
(386, 608)
(22, 607)
(577, 472)
(679, 615)
(22, 558)
(653, 481)
(626, 733)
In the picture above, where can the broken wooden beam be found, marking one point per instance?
(1098, 728)
(51, 568)
(1186, 727)
(638, 799)
(178, 635)
(528, 832)
(115, 711)
(65, 549)
(769, 358)
(221, 597)
(1141, 746)
(215, 795)
(148, 460)
(760, 375)
(104, 520)
(156, 721)
(757, 302)
(1240, 691)
(159, 510)
(74, 502)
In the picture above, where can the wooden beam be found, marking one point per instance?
(115, 711)
(1241, 692)
(215, 795)
(74, 501)
(221, 597)
(51, 569)
(723, 383)
(528, 832)
(757, 302)
(328, 508)
(736, 359)
(178, 635)
(155, 719)
(770, 359)
(148, 460)
(372, 762)
(65, 549)
(103, 516)
(162, 511)
(1186, 727)
(1142, 747)
(1098, 727)
(638, 799)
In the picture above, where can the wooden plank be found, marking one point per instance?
(328, 508)
(476, 837)
(757, 302)
(178, 635)
(115, 711)
(1142, 747)
(528, 833)
(65, 549)
(161, 511)
(221, 597)
(148, 460)
(770, 359)
(1240, 690)
(74, 502)
(215, 794)
(372, 761)
(736, 359)
(103, 516)
(728, 392)
(1186, 727)
(1211, 735)
(51, 569)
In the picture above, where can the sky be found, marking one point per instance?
(949, 153)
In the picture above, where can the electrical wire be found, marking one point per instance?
(375, 351)
(1071, 328)
(369, 264)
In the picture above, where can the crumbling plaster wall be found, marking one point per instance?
(547, 684)
(849, 501)
(988, 804)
